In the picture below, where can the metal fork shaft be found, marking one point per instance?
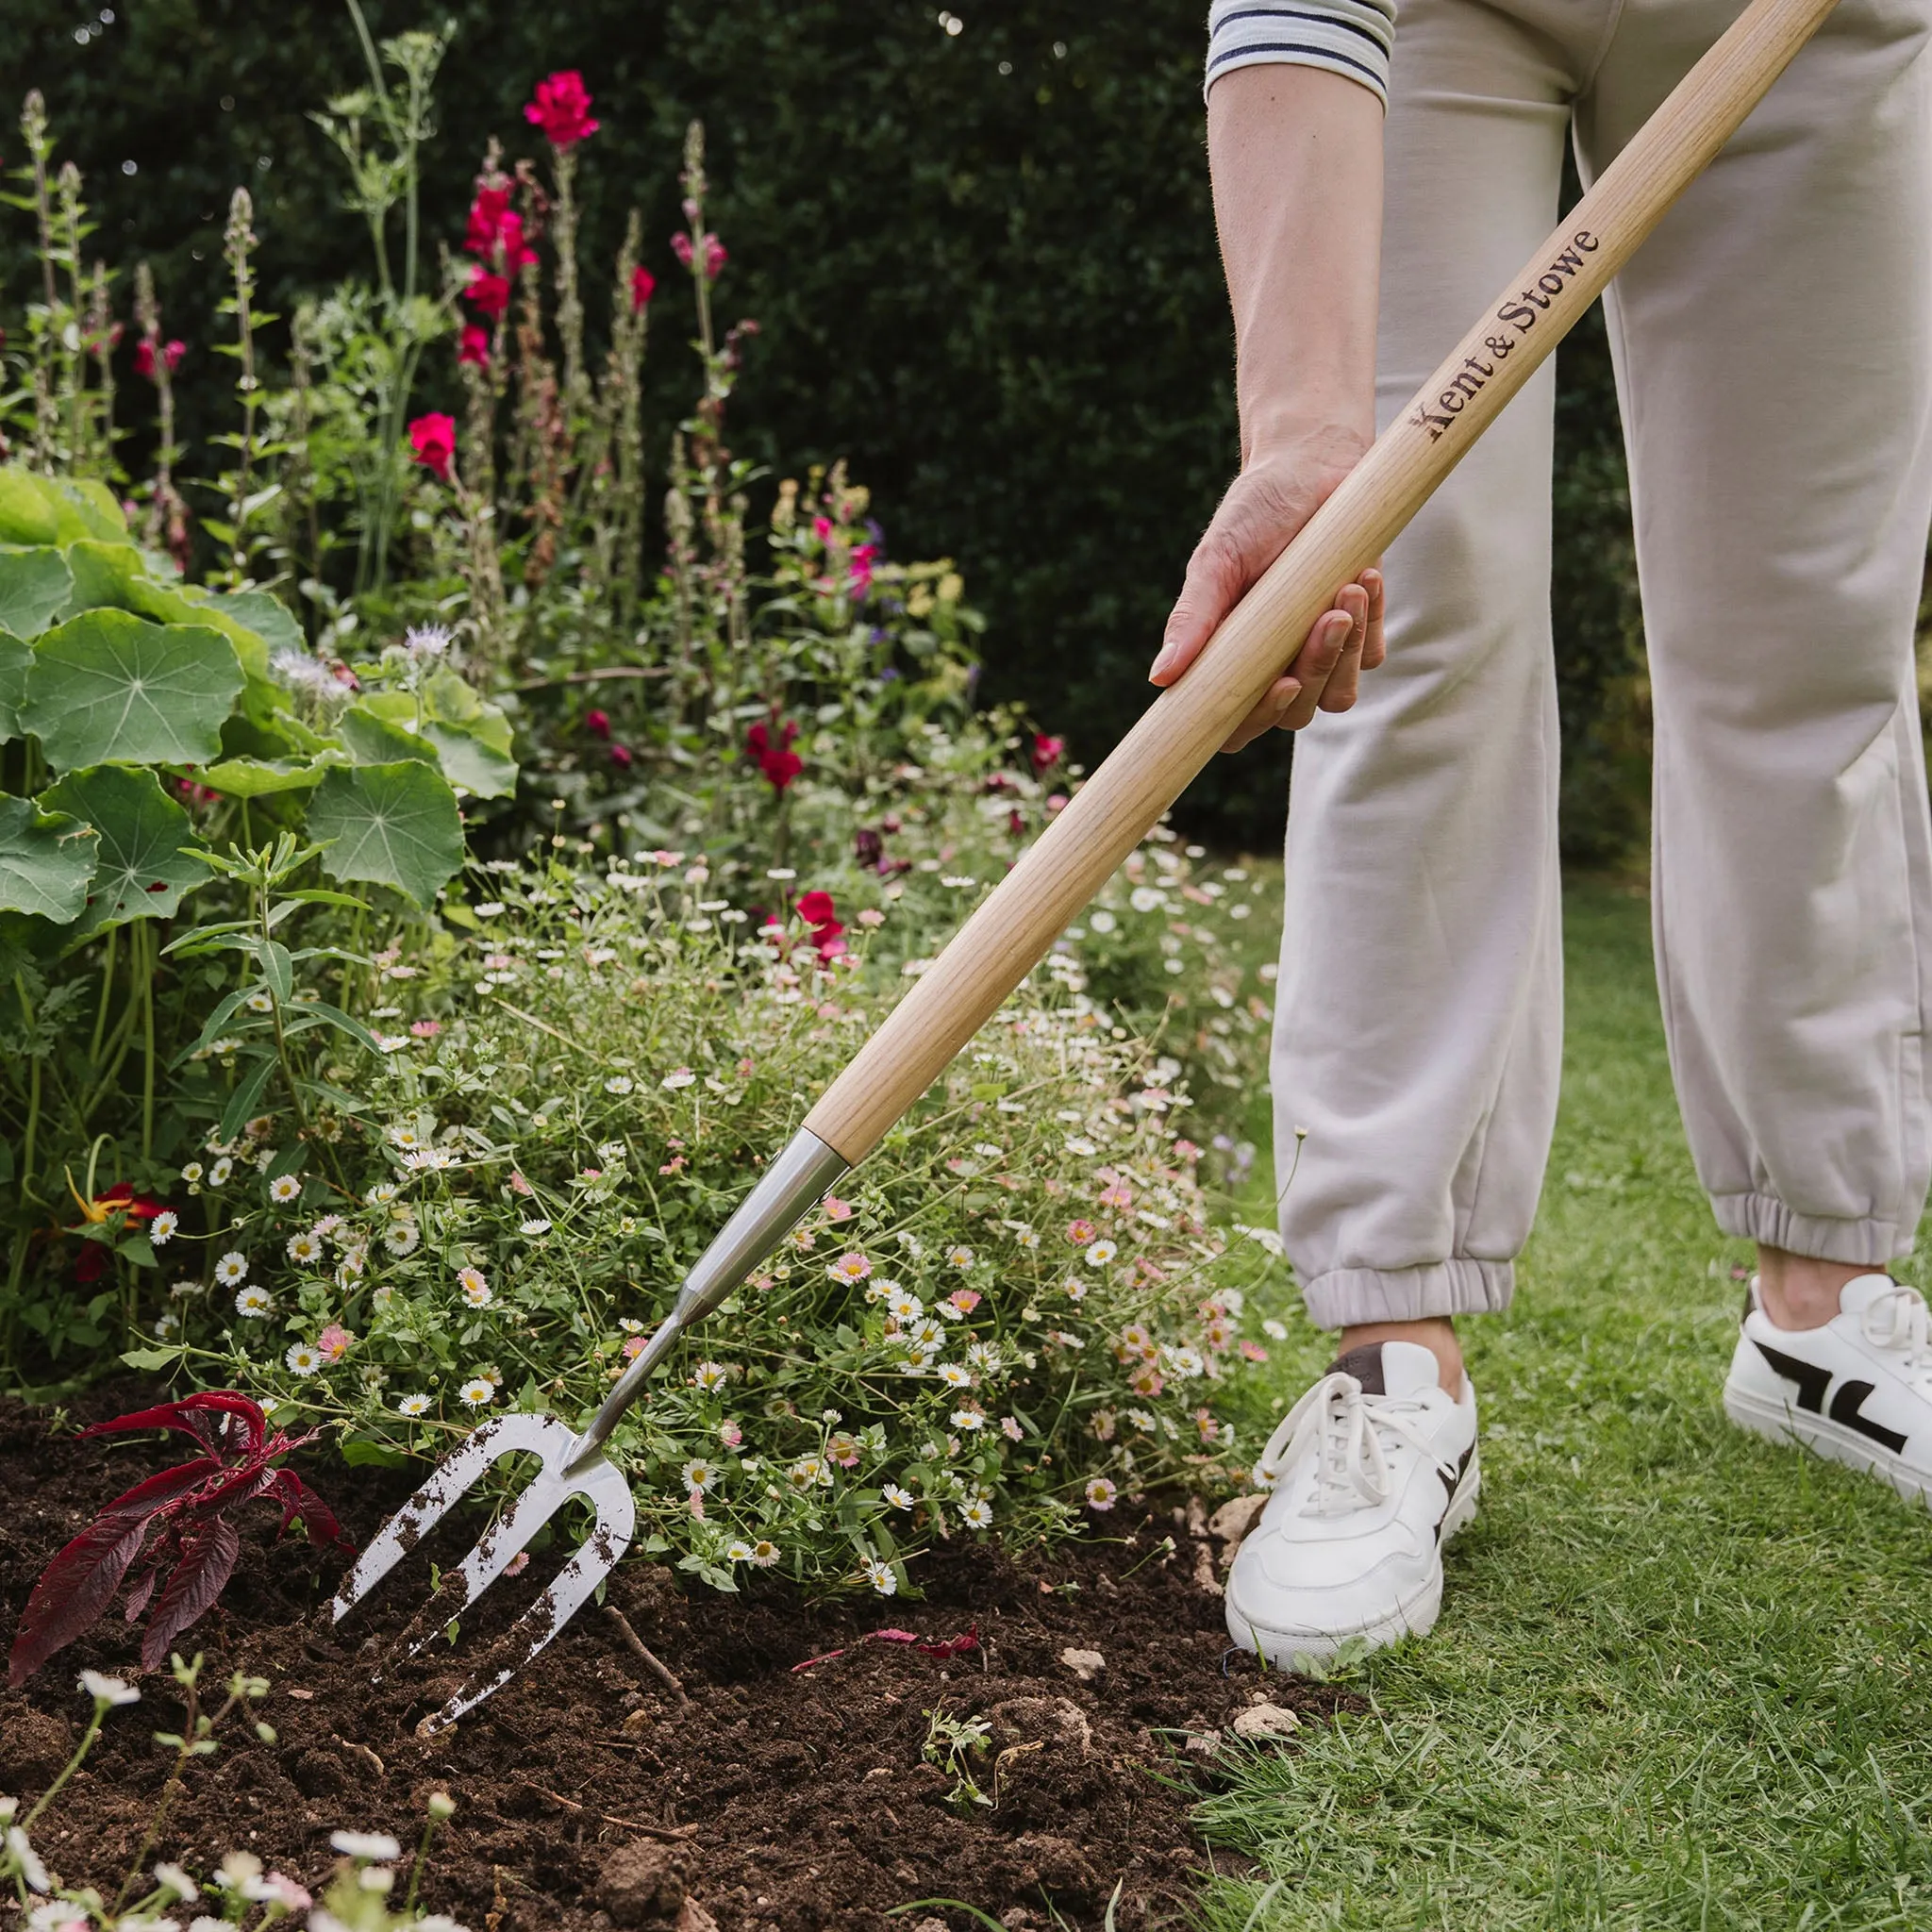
(784, 1195)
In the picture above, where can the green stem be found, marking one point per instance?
(93, 1051)
(147, 1017)
(93, 1731)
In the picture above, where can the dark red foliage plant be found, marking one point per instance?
(188, 1512)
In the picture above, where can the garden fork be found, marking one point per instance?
(1180, 731)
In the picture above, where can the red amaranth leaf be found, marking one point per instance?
(188, 1509)
(206, 1565)
(78, 1586)
(200, 1416)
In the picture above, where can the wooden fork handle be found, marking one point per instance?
(1181, 730)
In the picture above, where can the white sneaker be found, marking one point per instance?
(1856, 1390)
(1373, 1469)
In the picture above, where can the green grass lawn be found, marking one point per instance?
(1676, 1681)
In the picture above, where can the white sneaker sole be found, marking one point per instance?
(1414, 1616)
(1777, 1422)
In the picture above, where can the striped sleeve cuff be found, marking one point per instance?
(1352, 38)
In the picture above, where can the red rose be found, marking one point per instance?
(434, 440)
(476, 345)
(642, 285)
(562, 109)
(816, 908)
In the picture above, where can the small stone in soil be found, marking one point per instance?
(1265, 1721)
(1085, 1664)
(1234, 1520)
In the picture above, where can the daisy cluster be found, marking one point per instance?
(1006, 1322)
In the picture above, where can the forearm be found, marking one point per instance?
(1296, 155)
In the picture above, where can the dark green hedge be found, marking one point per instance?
(996, 292)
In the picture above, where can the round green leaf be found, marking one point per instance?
(142, 870)
(468, 761)
(374, 739)
(108, 685)
(16, 660)
(393, 825)
(45, 861)
(247, 777)
(35, 585)
(26, 514)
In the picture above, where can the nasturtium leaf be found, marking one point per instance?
(394, 825)
(142, 870)
(377, 740)
(468, 761)
(247, 777)
(109, 686)
(86, 508)
(16, 660)
(106, 576)
(35, 585)
(263, 612)
(45, 861)
(26, 512)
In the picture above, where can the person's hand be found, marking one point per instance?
(1267, 503)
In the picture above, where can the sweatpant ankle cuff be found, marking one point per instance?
(1347, 1297)
(1764, 1217)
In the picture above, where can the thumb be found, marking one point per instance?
(1212, 587)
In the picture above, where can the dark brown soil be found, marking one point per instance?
(590, 1794)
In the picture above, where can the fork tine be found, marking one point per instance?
(542, 1435)
(463, 1585)
(596, 1557)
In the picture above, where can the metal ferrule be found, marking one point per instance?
(784, 1195)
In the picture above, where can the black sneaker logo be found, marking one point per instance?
(1812, 1383)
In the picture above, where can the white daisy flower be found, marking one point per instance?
(304, 1248)
(303, 1360)
(880, 1575)
(533, 1227)
(954, 1375)
(1102, 920)
(679, 1077)
(904, 1306)
(476, 1290)
(983, 1355)
(220, 1171)
(414, 1405)
(477, 1392)
(764, 1553)
(1100, 1493)
(1274, 1330)
(960, 1258)
(709, 1375)
(161, 1230)
(402, 1237)
(253, 1303)
(173, 1879)
(381, 1194)
(113, 1692)
(976, 1515)
(1182, 1363)
(809, 1473)
(285, 1187)
(738, 1551)
(232, 1269)
(967, 1419)
(898, 1498)
(365, 1845)
(193, 1171)
(617, 1083)
(700, 1475)
(1100, 1254)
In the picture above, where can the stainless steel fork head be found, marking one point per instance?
(593, 1477)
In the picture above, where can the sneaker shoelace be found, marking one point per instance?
(1896, 1322)
(1350, 1434)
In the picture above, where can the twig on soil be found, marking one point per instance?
(652, 1663)
(673, 1831)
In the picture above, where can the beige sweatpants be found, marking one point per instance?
(1772, 343)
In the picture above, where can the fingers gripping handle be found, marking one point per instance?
(1012, 930)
